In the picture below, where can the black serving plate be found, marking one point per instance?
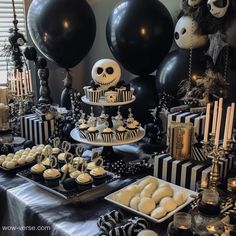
(18, 168)
(60, 191)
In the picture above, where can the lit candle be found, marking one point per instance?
(226, 127)
(204, 184)
(207, 122)
(17, 85)
(218, 125)
(214, 117)
(231, 184)
(21, 84)
(231, 121)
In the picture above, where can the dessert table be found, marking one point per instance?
(23, 204)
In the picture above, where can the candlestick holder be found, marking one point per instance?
(217, 153)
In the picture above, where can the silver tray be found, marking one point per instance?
(191, 196)
(60, 191)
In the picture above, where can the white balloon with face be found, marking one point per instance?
(186, 36)
(218, 8)
(106, 73)
(193, 3)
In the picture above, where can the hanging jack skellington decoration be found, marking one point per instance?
(106, 73)
(218, 8)
(187, 35)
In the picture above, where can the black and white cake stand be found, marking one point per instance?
(107, 151)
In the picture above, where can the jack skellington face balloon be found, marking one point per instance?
(186, 35)
(218, 8)
(106, 73)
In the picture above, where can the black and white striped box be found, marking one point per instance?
(186, 173)
(197, 119)
(33, 128)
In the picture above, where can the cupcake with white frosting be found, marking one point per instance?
(82, 128)
(52, 177)
(92, 134)
(121, 133)
(132, 130)
(107, 135)
(37, 171)
(84, 181)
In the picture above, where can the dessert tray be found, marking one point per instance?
(103, 102)
(60, 191)
(191, 195)
(17, 168)
(99, 142)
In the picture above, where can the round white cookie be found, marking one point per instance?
(168, 203)
(158, 213)
(134, 202)
(146, 205)
(161, 193)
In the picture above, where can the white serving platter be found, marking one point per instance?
(99, 142)
(191, 196)
(103, 102)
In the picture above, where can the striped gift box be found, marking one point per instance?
(197, 119)
(186, 173)
(33, 128)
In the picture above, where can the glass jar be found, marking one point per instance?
(181, 226)
(205, 218)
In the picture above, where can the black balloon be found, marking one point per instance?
(140, 34)
(30, 53)
(175, 68)
(63, 30)
(146, 97)
(41, 63)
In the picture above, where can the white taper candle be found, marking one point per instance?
(213, 131)
(208, 111)
(226, 128)
(231, 121)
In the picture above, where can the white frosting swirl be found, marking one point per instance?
(92, 129)
(38, 168)
(107, 130)
(51, 174)
(84, 178)
(98, 171)
(75, 174)
(121, 129)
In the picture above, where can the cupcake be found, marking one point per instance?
(121, 133)
(46, 162)
(94, 94)
(52, 177)
(56, 151)
(120, 88)
(132, 130)
(107, 135)
(92, 134)
(75, 174)
(91, 165)
(70, 170)
(84, 181)
(61, 159)
(127, 93)
(85, 88)
(78, 160)
(82, 128)
(37, 171)
(99, 174)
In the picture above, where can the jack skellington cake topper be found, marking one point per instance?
(106, 73)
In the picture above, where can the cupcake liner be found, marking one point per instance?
(133, 133)
(119, 95)
(94, 95)
(121, 136)
(127, 95)
(52, 182)
(82, 133)
(86, 91)
(107, 138)
(38, 177)
(91, 136)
